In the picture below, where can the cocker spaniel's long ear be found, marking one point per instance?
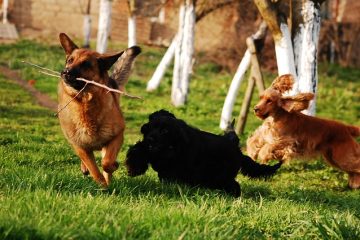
(283, 83)
(296, 103)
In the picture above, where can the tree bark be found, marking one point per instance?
(104, 25)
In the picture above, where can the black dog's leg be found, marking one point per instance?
(232, 188)
(136, 159)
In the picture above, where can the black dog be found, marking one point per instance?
(181, 153)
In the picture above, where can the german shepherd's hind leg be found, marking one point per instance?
(109, 154)
(88, 159)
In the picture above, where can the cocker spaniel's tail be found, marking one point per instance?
(252, 169)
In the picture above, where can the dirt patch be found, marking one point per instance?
(41, 98)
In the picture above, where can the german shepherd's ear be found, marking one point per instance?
(68, 45)
(105, 61)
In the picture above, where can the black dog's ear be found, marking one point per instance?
(68, 45)
(136, 160)
(145, 128)
(161, 113)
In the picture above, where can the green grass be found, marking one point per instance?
(43, 194)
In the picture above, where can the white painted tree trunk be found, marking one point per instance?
(184, 54)
(163, 65)
(5, 6)
(285, 55)
(305, 49)
(188, 49)
(104, 25)
(161, 17)
(176, 85)
(230, 99)
(87, 30)
(132, 30)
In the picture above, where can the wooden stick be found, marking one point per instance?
(56, 114)
(57, 74)
(37, 66)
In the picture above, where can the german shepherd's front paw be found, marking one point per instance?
(84, 169)
(110, 167)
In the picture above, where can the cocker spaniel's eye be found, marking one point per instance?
(268, 100)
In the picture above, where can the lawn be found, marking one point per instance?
(43, 194)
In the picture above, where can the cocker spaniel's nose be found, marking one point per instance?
(256, 109)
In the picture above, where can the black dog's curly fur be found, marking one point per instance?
(181, 153)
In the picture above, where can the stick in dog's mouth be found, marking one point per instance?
(53, 73)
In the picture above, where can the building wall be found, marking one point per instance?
(49, 17)
(221, 34)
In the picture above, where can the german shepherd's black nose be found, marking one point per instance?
(69, 75)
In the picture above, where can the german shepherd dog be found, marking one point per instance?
(92, 119)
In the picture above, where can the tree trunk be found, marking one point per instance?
(305, 48)
(87, 30)
(87, 26)
(5, 6)
(131, 23)
(131, 30)
(230, 99)
(301, 61)
(176, 84)
(104, 25)
(188, 49)
(163, 65)
(282, 38)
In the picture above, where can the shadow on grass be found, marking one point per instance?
(16, 232)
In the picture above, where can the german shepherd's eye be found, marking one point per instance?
(70, 60)
(86, 64)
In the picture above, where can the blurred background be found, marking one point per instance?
(221, 29)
